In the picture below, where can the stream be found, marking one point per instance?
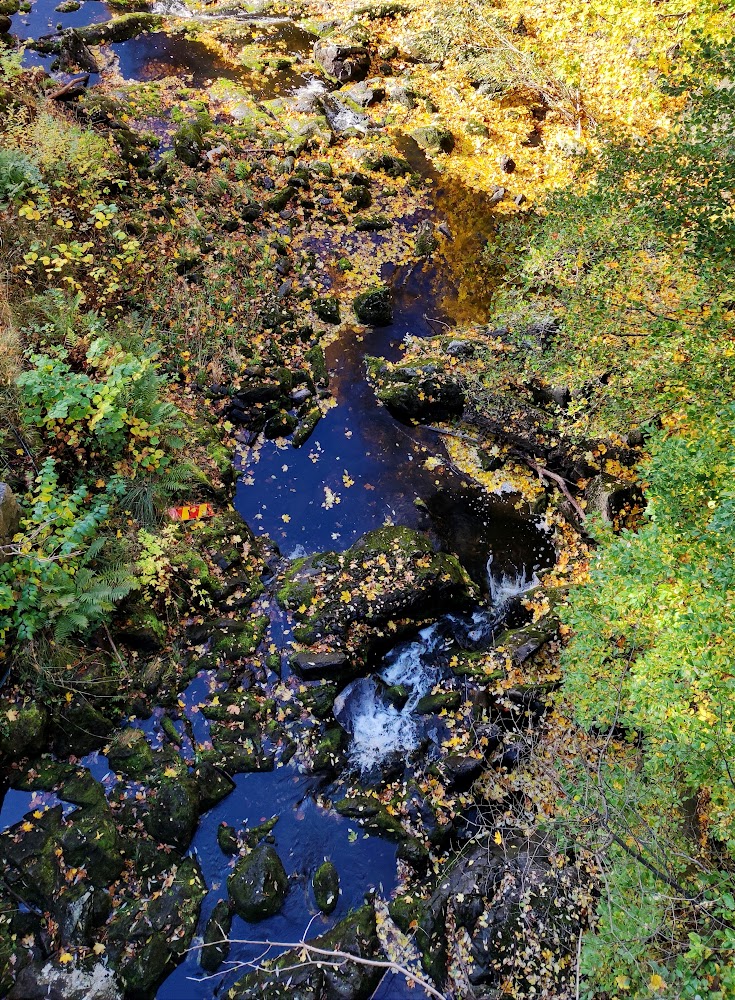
(284, 493)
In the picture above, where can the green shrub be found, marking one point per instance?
(53, 580)
(18, 175)
(111, 410)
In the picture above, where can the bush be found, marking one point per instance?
(54, 578)
(110, 411)
(18, 175)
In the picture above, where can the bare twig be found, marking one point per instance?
(331, 956)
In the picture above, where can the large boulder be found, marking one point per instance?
(357, 601)
(173, 812)
(259, 884)
(289, 976)
(147, 936)
(342, 61)
(414, 394)
(374, 307)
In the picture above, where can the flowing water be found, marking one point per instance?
(299, 498)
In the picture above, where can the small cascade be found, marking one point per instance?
(378, 729)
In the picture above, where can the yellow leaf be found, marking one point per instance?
(65, 957)
(498, 837)
(170, 772)
(622, 982)
(656, 982)
(98, 948)
(345, 597)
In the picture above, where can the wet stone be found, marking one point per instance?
(326, 887)
(259, 884)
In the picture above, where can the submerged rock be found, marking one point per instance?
(259, 884)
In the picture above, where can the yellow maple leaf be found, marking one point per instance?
(65, 957)
(498, 837)
(98, 948)
(345, 597)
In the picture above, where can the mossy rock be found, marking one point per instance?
(130, 754)
(146, 937)
(306, 426)
(254, 835)
(82, 789)
(434, 138)
(213, 784)
(371, 813)
(326, 887)
(91, 841)
(405, 910)
(327, 309)
(22, 729)
(432, 704)
(317, 361)
(259, 884)
(374, 307)
(329, 750)
(216, 947)
(173, 812)
(120, 29)
(227, 839)
(355, 934)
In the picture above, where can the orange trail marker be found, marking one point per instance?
(191, 512)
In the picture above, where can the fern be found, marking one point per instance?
(147, 498)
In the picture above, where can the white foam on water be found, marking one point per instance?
(377, 728)
(307, 96)
(172, 8)
(503, 587)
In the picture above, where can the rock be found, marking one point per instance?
(216, 948)
(213, 784)
(372, 814)
(372, 223)
(421, 395)
(432, 704)
(259, 884)
(120, 29)
(305, 427)
(521, 643)
(413, 852)
(48, 981)
(74, 54)
(173, 811)
(355, 934)
(328, 752)
(434, 138)
(343, 62)
(313, 666)
(23, 729)
(130, 754)
(460, 349)
(5, 25)
(79, 729)
(9, 511)
(327, 309)
(393, 166)
(352, 622)
(227, 839)
(402, 93)
(358, 196)
(374, 307)
(506, 163)
(365, 93)
(461, 772)
(497, 196)
(146, 937)
(612, 499)
(326, 887)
